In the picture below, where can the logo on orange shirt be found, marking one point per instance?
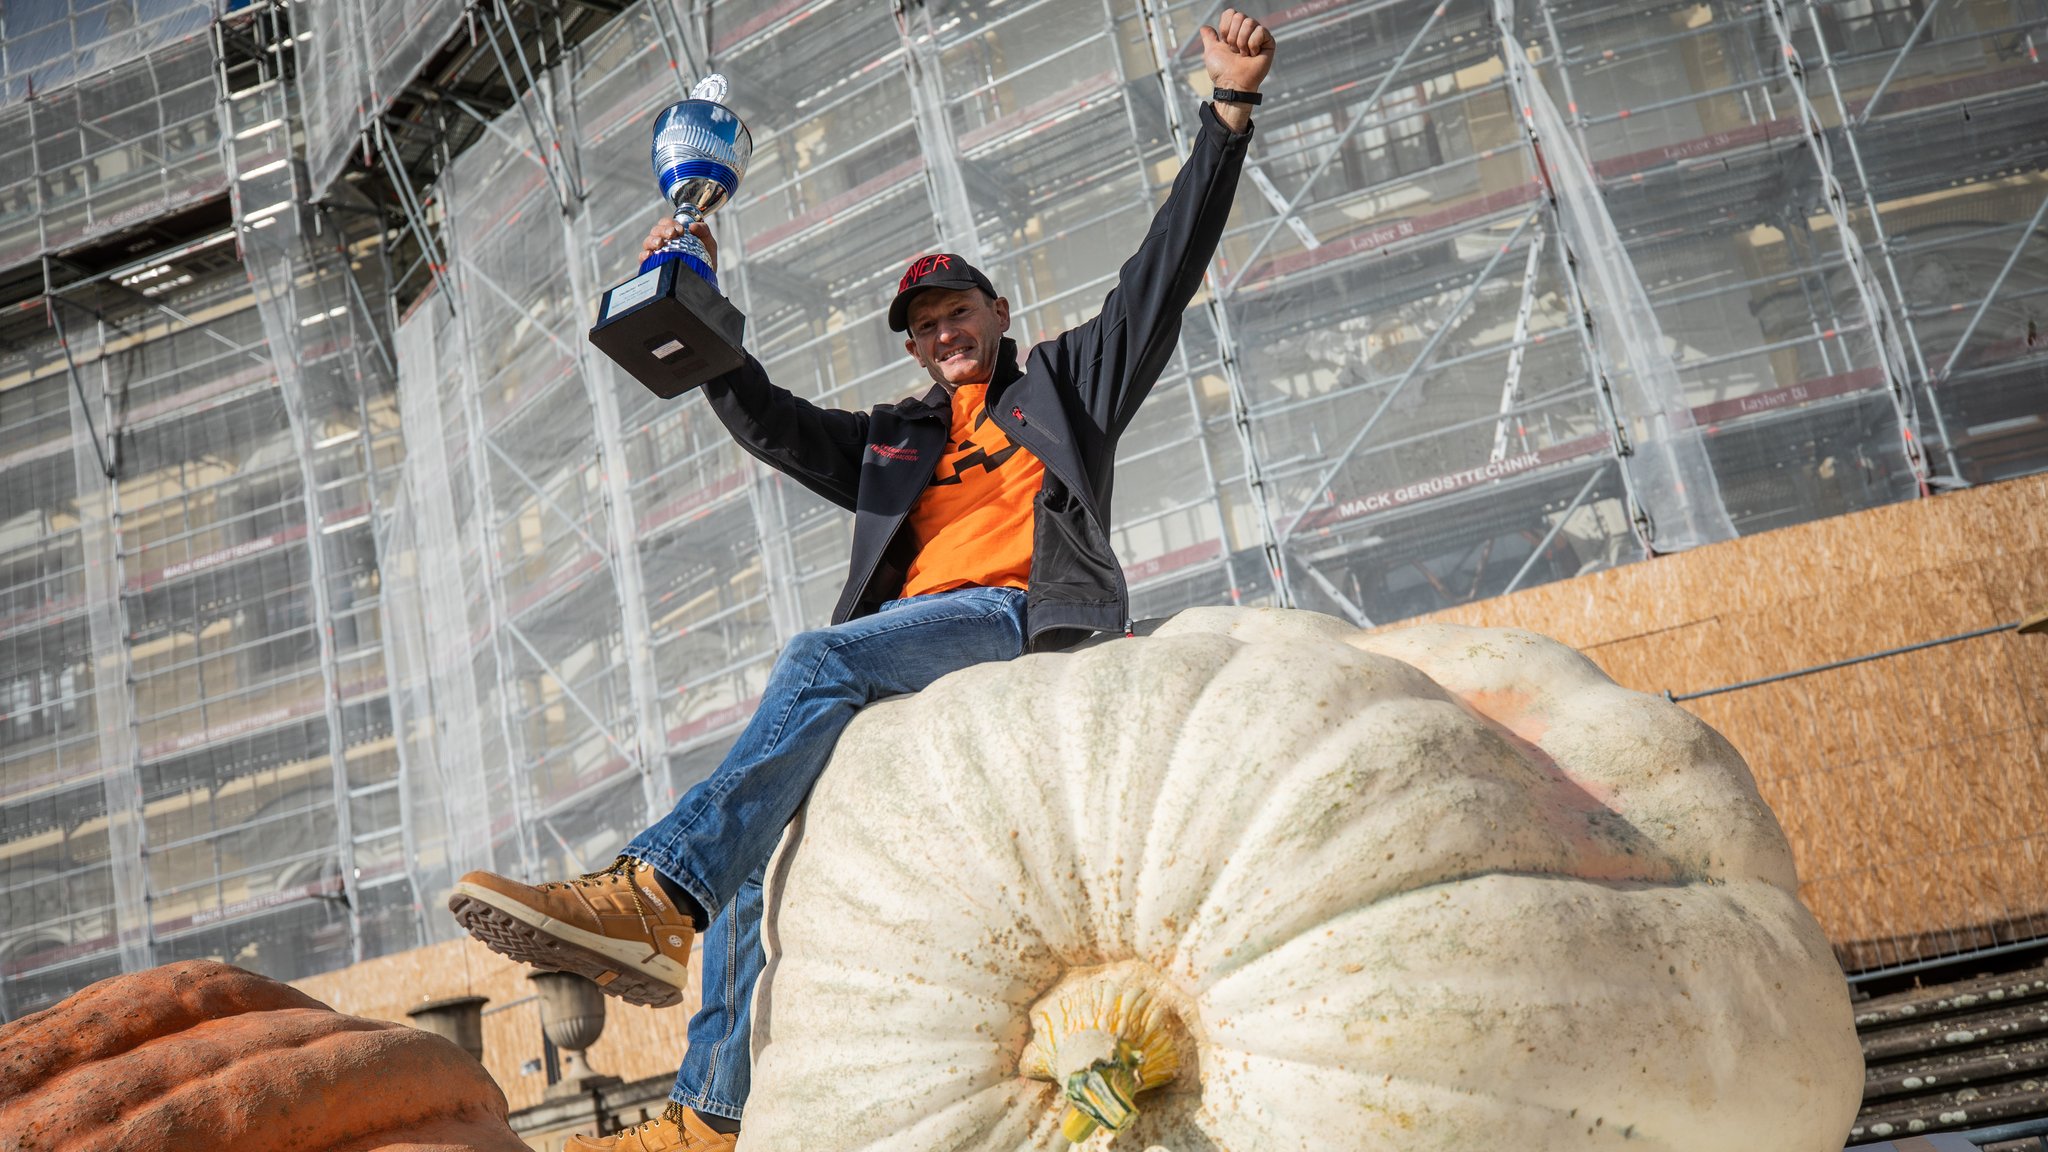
(972, 455)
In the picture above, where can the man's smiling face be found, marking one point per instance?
(956, 334)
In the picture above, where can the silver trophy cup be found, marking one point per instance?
(700, 153)
(668, 326)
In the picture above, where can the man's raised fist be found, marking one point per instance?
(1238, 51)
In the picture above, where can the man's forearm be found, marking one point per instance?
(819, 448)
(1236, 117)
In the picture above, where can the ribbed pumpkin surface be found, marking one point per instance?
(1412, 891)
(202, 1055)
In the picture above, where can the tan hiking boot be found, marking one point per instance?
(677, 1129)
(616, 927)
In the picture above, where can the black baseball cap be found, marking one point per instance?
(938, 270)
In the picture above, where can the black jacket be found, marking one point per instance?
(1067, 405)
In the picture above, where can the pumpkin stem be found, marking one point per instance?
(1103, 1042)
(1101, 1095)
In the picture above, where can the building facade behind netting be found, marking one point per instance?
(335, 562)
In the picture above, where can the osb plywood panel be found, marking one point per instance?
(1914, 789)
(2000, 523)
(637, 1042)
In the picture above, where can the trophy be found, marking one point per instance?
(668, 326)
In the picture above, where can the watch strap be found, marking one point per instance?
(1233, 96)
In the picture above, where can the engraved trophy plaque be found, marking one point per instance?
(668, 326)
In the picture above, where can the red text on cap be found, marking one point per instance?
(922, 267)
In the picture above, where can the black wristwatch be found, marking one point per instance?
(1233, 96)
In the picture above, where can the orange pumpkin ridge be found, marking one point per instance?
(113, 1015)
(201, 1054)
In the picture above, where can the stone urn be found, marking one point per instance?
(458, 1018)
(572, 1016)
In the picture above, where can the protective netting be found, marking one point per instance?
(1389, 386)
(358, 55)
(514, 539)
(1671, 480)
(215, 773)
(330, 370)
(134, 142)
(49, 740)
(46, 45)
(1724, 216)
(459, 813)
(119, 806)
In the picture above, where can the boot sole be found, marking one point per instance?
(618, 967)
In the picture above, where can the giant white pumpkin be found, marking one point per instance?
(1426, 889)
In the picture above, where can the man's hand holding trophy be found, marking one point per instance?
(668, 326)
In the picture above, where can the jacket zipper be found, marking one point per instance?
(1017, 414)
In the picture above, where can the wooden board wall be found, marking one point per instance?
(1914, 789)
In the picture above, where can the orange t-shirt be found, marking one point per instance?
(972, 526)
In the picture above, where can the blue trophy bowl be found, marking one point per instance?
(700, 153)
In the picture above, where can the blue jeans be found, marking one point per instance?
(716, 842)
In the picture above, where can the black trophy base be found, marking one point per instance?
(669, 329)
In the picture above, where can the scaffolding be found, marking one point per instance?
(336, 563)
(198, 758)
(1503, 302)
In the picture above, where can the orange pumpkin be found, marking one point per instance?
(204, 1055)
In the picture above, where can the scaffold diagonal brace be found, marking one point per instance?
(1415, 367)
(561, 681)
(1919, 30)
(547, 151)
(1997, 285)
(540, 493)
(1585, 490)
(1367, 114)
(415, 212)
